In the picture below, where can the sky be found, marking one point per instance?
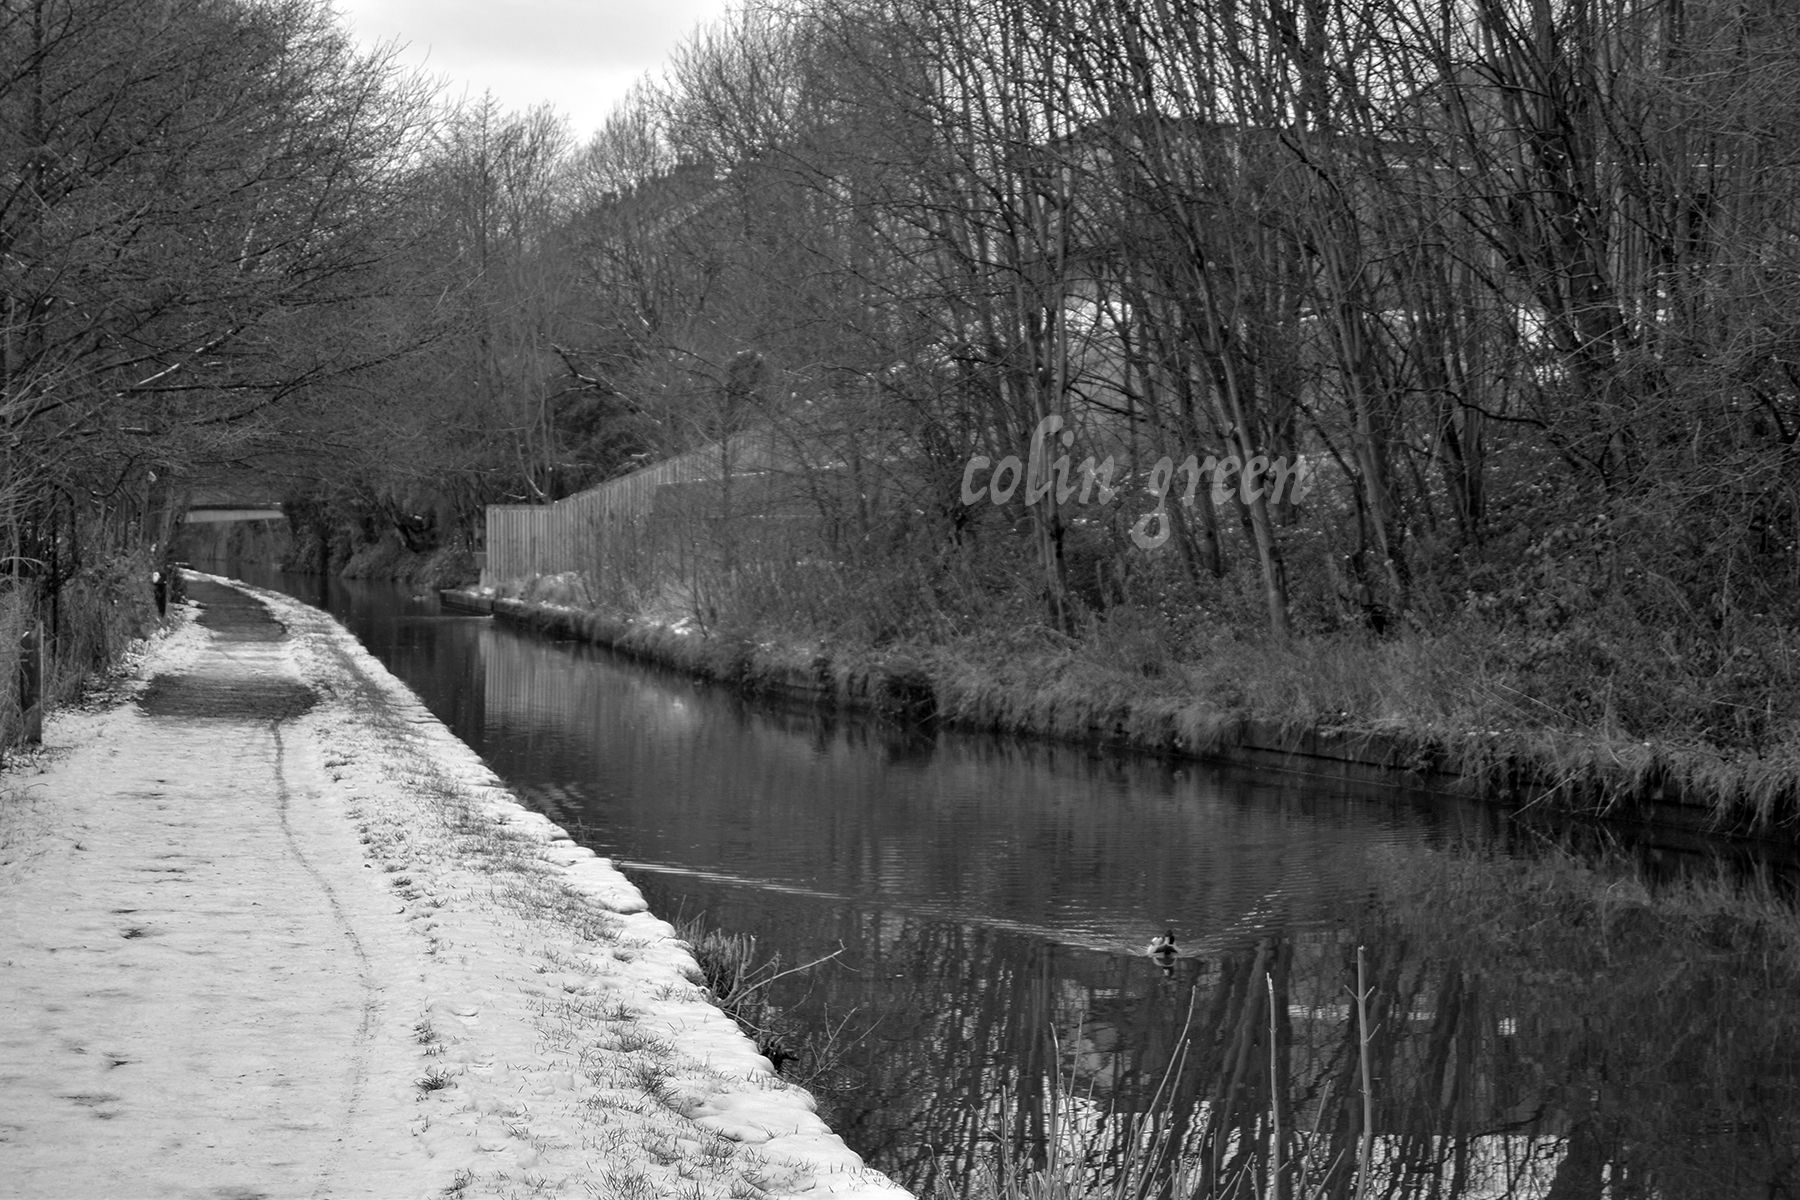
(581, 56)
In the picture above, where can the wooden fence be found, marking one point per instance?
(592, 531)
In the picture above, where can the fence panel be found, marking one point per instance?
(604, 530)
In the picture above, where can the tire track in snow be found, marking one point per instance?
(365, 1027)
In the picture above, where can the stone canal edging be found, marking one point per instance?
(1582, 779)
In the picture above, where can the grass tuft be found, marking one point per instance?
(434, 1080)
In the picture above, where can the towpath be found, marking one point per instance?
(268, 929)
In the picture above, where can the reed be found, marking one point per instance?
(1143, 1156)
(740, 977)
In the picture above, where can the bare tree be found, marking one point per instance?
(197, 185)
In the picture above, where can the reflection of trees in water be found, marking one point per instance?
(984, 1011)
(1535, 1032)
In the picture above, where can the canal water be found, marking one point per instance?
(956, 930)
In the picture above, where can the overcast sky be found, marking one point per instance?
(579, 55)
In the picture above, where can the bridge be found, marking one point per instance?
(211, 506)
(209, 514)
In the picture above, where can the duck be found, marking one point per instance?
(1163, 949)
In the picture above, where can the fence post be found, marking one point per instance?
(31, 683)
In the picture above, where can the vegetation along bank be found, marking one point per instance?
(1082, 693)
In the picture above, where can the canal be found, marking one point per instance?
(957, 930)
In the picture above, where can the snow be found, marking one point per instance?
(332, 955)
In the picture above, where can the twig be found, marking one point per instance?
(791, 970)
(1367, 1149)
(1274, 1094)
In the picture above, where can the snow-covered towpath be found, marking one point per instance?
(268, 929)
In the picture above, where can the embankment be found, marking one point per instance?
(1694, 792)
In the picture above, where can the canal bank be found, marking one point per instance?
(270, 929)
(1693, 795)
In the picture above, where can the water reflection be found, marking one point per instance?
(1535, 1030)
